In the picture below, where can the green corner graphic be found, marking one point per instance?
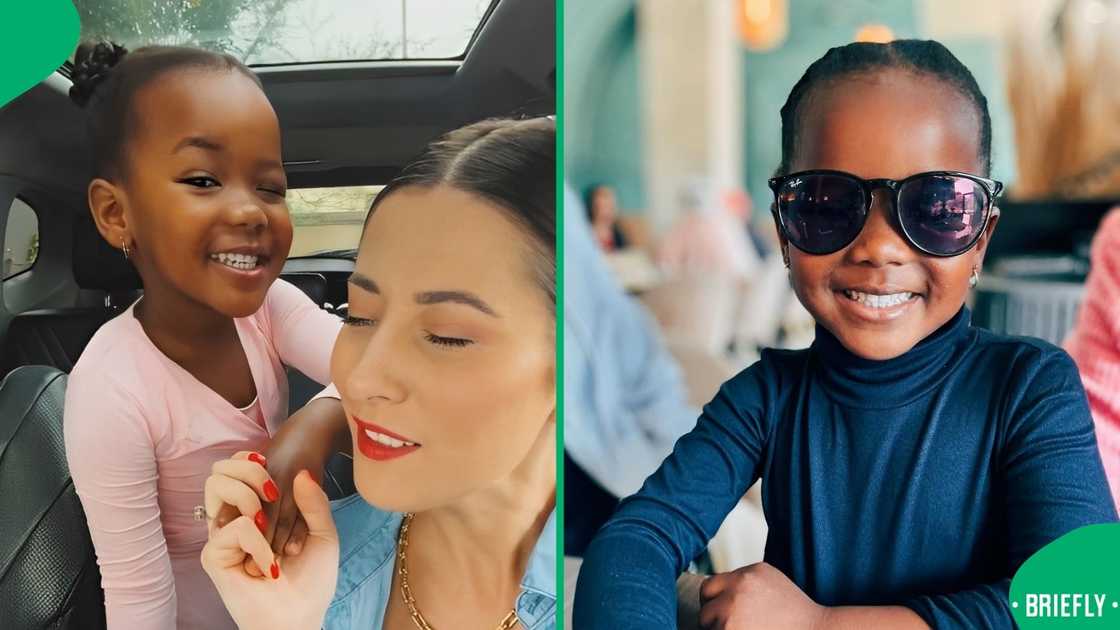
(1074, 582)
(38, 36)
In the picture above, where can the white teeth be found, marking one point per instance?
(386, 440)
(878, 301)
(244, 262)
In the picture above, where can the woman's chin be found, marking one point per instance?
(394, 497)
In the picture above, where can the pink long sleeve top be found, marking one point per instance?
(141, 435)
(1095, 345)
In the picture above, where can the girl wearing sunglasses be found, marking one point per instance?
(910, 462)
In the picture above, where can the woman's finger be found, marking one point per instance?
(221, 489)
(314, 506)
(250, 567)
(252, 456)
(251, 473)
(228, 546)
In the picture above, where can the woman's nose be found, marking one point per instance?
(880, 243)
(374, 376)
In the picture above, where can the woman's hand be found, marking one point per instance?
(294, 593)
(757, 596)
(307, 441)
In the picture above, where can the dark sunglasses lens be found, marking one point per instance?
(943, 214)
(821, 214)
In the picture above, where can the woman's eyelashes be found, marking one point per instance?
(350, 320)
(453, 342)
(432, 338)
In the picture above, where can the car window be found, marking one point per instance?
(291, 31)
(328, 219)
(21, 239)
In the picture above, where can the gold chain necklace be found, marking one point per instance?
(507, 622)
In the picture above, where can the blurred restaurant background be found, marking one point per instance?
(671, 130)
(671, 108)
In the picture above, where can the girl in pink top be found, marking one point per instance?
(190, 186)
(1095, 345)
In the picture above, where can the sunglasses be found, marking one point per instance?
(942, 213)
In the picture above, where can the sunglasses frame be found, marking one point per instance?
(992, 188)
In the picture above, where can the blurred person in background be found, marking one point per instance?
(1067, 103)
(602, 212)
(625, 399)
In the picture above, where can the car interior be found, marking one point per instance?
(344, 124)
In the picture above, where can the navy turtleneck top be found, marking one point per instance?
(923, 481)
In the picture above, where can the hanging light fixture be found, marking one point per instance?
(875, 33)
(763, 24)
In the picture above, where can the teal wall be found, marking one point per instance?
(602, 108)
(602, 88)
(816, 26)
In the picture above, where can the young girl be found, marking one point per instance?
(190, 186)
(910, 462)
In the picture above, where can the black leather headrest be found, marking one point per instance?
(48, 572)
(97, 265)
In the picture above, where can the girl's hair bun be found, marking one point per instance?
(93, 62)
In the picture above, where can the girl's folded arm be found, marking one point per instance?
(1053, 483)
(629, 573)
(112, 460)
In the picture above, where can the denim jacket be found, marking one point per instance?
(367, 547)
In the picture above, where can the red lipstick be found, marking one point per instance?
(378, 449)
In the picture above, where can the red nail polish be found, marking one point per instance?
(275, 571)
(258, 458)
(262, 521)
(270, 491)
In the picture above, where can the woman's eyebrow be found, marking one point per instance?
(429, 297)
(363, 282)
(458, 297)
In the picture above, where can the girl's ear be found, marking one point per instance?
(982, 243)
(106, 203)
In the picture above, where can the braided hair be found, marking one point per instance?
(925, 57)
(106, 79)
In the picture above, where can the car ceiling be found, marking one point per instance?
(342, 123)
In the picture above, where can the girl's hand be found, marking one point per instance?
(306, 441)
(757, 596)
(292, 594)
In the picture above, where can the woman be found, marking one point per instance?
(446, 372)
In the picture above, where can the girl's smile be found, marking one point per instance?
(205, 197)
(880, 295)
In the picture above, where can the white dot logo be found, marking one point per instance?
(1016, 604)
